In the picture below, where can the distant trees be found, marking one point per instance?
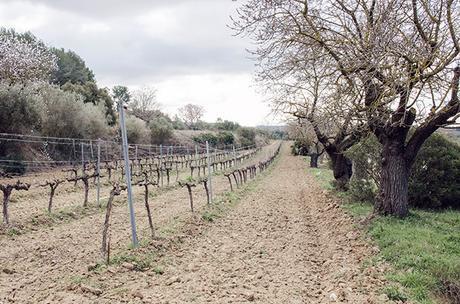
(71, 68)
(226, 125)
(121, 94)
(191, 114)
(73, 75)
(222, 138)
(397, 60)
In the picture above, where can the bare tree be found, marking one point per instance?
(402, 56)
(326, 110)
(144, 104)
(304, 133)
(191, 114)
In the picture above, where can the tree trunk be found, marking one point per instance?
(342, 169)
(394, 181)
(314, 160)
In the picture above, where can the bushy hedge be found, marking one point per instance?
(161, 130)
(435, 177)
(300, 147)
(247, 136)
(137, 130)
(220, 139)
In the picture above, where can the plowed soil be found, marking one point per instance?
(286, 241)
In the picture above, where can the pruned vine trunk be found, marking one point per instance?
(189, 188)
(147, 207)
(6, 199)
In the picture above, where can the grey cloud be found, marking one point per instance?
(128, 53)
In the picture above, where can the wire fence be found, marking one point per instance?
(39, 153)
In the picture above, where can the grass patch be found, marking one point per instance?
(140, 262)
(423, 248)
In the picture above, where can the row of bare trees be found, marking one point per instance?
(348, 68)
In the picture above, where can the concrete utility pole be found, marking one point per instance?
(124, 138)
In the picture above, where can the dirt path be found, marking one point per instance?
(285, 242)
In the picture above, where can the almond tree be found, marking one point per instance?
(191, 114)
(402, 56)
(24, 58)
(326, 110)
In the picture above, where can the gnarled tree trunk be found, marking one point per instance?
(394, 181)
(314, 160)
(342, 169)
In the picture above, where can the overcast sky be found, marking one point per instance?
(183, 48)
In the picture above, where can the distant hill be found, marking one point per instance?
(453, 134)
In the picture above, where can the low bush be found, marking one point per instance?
(247, 136)
(206, 137)
(66, 115)
(435, 176)
(225, 138)
(300, 147)
(137, 130)
(161, 130)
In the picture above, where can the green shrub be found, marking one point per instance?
(247, 136)
(66, 115)
(161, 130)
(434, 181)
(225, 138)
(300, 147)
(136, 130)
(209, 137)
(19, 109)
(15, 164)
(365, 157)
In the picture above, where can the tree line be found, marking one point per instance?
(51, 91)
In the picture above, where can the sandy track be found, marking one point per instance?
(285, 242)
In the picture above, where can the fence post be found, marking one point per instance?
(136, 152)
(91, 149)
(74, 151)
(98, 172)
(128, 174)
(82, 157)
(234, 155)
(161, 164)
(209, 171)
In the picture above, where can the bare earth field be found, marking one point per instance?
(284, 242)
